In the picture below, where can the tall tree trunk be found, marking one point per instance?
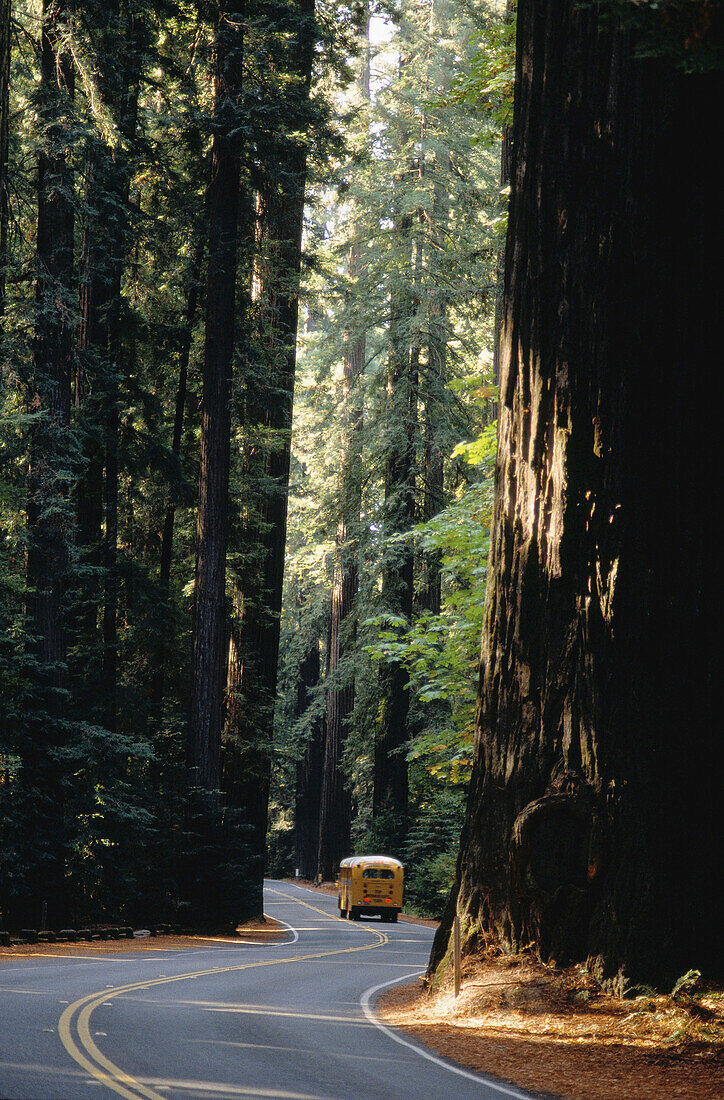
(335, 820)
(48, 528)
(390, 761)
(209, 625)
(100, 342)
(194, 275)
(436, 403)
(594, 794)
(252, 674)
(336, 804)
(309, 772)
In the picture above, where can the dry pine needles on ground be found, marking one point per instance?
(555, 1033)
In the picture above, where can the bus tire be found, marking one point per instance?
(354, 913)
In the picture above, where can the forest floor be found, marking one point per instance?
(555, 1033)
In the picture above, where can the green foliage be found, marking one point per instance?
(410, 214)
(488, 82)
(431, 850)
(440, 652)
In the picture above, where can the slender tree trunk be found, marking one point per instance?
(594, 797)
(309, 772)
(48, 528)
(334, 831)
(157, 686)
(89, 488)
(390, 763)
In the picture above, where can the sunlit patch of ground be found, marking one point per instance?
(255, 931)
(555, 1032)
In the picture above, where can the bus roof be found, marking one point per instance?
(362, 861)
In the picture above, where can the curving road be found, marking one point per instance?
(289, 1020)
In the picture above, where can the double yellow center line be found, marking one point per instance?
(74, 1024)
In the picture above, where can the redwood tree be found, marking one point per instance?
(209, 631)
(593, 804)
(288, 43)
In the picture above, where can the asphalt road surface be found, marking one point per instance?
(291, 1020)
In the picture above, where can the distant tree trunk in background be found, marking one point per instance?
(5, 7)
(309, 772)
(334, 829)
(435, 398)
(336, 804)
(595, 796)
(48, 527)
(252, 674)
(390, 763)
(89, 489)
(209, 626)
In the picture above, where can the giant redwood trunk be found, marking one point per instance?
(594, 800)
(209, 626)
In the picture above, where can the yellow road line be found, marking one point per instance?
(95, 1063)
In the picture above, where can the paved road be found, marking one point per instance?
(290, 1020)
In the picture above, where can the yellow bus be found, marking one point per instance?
(370, 885)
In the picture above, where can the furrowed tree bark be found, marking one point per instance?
(209, 623)
(48, 521)
(252, 667)
(594, 800)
